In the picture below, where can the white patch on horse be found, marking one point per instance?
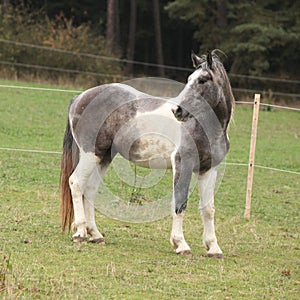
(78, 181)
(161, 136)
(194, 76)
(206, 183)
(90, 192)
(177, 238)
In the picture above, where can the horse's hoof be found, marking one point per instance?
(98, 241)
(215, 255)
(184, 252)
(79, 239)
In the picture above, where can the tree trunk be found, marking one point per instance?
(117, 26)
(112, 25)
(158, 39)
(5, 6)
(221, 14)
(131, 38)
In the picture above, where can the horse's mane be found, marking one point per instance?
(214, 53)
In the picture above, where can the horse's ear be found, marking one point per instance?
(209, 59)
(196, 60)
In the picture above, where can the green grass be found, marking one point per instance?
(38, 262)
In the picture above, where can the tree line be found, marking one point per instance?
(259, 38)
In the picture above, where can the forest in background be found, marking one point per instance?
(152, 38)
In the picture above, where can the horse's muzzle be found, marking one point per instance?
(180, 114)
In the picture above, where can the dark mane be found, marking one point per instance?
(216, 56)
(221, 69)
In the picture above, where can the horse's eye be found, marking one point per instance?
(204, 79)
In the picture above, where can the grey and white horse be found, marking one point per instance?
(187, 133)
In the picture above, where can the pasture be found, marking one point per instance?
(261, 255)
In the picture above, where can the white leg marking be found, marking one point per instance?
(206, 188)
(89, 195)
(177, 238)
(79, 217)
(78, 181)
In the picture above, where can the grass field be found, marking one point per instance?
(262, 255)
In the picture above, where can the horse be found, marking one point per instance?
(186, 133)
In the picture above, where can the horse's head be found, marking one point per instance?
(207, 86)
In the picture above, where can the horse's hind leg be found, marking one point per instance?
(78, 181)
(89, 197)
(206, 188)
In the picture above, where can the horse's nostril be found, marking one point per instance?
(178, 112)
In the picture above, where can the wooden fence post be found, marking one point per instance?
(252, 155)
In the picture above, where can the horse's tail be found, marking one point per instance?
(69, 161)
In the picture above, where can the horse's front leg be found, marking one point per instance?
(206, 184)
(181, 180)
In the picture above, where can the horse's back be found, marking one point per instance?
(102, 96)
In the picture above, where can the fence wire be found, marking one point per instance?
(225, 163)
(269, 105)
(147, 64)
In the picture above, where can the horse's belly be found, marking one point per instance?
(152, 151)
